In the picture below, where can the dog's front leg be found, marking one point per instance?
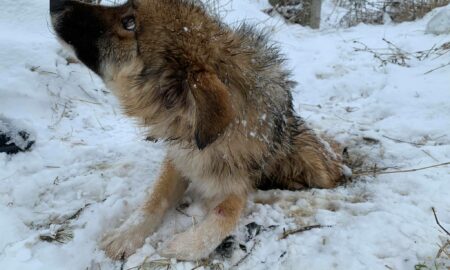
(200, 240)
(122, 242)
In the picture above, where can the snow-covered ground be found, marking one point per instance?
(90, 166)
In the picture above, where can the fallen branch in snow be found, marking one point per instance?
(446, 245)
(61, 116)
(434, 69)
(377, 171)
(395, 55)
(302, 229)
(428, 154)
(401, 141)
(392, 54)
(437, 221)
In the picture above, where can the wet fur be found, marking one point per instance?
(221, 99)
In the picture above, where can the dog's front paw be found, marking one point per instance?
(189, 246)
(120, 244)
(124, 241)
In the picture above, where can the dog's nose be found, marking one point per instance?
(57, 6)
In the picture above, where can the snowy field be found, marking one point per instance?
(90, 166)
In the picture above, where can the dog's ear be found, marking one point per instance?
(213, 107)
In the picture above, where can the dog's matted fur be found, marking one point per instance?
(219, 97)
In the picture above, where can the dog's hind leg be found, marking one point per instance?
(317, 161)
(200, 240)
(122, 242)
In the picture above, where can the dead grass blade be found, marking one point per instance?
(378, 171)
(302, 229)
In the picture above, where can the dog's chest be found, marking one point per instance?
(209, 173)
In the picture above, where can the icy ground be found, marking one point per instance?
(90, 166)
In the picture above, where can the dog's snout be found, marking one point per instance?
(56, 6)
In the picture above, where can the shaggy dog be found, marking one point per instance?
(220, 99)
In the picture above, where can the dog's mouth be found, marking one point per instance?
(96, 33)
(103, 37)
(77, 25)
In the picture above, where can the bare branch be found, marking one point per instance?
(302, 229)
(401, 141)
(438, 223)
(372, 172)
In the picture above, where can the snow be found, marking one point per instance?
(89, 156)
(440, 23)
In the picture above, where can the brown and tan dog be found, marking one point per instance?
(219, 97)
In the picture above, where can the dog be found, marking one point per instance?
(218, 96)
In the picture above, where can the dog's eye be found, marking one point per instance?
(129, 23)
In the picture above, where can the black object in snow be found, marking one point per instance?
(8, 146)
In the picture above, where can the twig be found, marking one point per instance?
(401, 171)
(434, 69)
(52, 167)
(89, 95)
(62, 115)
(442, 136)
(369, 50)
(343, 119)
(100, 124)
(77, 213)
(374, 170)
(428, 154)
(350, 121)
(87, 101)
(442, 249)
(395, 55)
(401, 141)
(438, 223)
(428, 52)
(246, 255)
(302, 229)
(396, 47)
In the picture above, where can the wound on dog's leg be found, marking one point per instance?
(199, 241)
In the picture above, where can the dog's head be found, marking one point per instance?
(145, 56)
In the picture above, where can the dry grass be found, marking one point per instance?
(168, 264)
(373, 12)
(286, 233)
(442, 258)
(60, 234)
(358, 11)
(393, 54)
(294, 11)
(378, 171)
